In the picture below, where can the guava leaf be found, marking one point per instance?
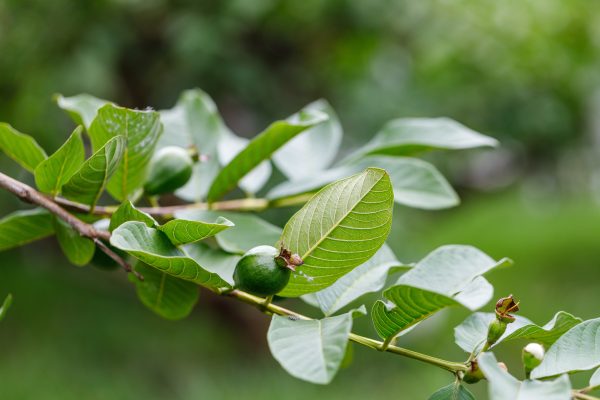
(22, 227)
(127, 212)
(5, 306)
(52, 173)
(337, 230)
(576, 350)
(261, 148)
(503, 386)
(595, 379)
(141, 130)
(20, 147)
(306, 155)
(168, 296)
(79, 250)
(82, 108)
(181, 231)
(153, 247)
(454, 391)
(88, 183)
(213, 260)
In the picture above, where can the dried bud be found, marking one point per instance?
(504, 307)
(533, 354)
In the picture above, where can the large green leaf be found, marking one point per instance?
(306, 155)
(366, 278)
(340, 228)
(5, 306)
(82, 108)
(22, 227)
(416, 183)
(166, 295)
(181, 231)
(448, 276)
(213, 260)
(576, 350)
(472, 332)
(503, 386)
(261, 148)
(88, 183)
(141, 130)
(409, 136)
(248, 231)
(78, 249)
(311, 350)
(127, 212)
(153, 247)
(20, 147)
(52, 173)
(454, 391)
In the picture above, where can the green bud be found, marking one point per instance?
(474, 374)
(496, 329)
(532, 355)
(170, 169)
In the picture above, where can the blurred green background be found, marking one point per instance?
(524, 72)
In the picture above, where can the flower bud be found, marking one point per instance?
(496, 329)
(532, 355)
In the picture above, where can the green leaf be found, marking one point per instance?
(366, 278)
(181, 231)
(82, 108)
(127, 212)
(248, 231)
(153, 247)
(416, 183)
(52, 173)
(311, 350)
(166, 295)
(450, 275)
(20, 147)
(88, 183)
(214, 260)
(454, 391)
(471, 334)
(595, 379)
(22, 227)
(141, 130)
(314, 150)
(78, 249)
(576, 350)
(5, 306)
(260, 149)
(503, 386)
(409, 136)
(340, 228)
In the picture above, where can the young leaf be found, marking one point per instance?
(5, 306)
(22, 227)
(311, 350)
(260, 149)
(82, 108)
(214, 260)
(416, 183)
(127, 212)
(20, 147)
(576, 350)
(153, 247)
(141, 130)
(181, 231)
(366, 278)
(87, 184)
(503, 386)
(248, 231)
(166, 295)
(78, 249)
(340, 228)
(454, 391)
(314, 150)
(52, 173)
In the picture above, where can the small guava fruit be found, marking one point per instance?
(262, 271)
(170, 169)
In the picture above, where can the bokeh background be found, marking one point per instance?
(527, 73)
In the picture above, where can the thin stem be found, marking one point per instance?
(582, 396)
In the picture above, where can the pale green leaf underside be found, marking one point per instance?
(5, 306)
(311, 350)
(82, 108)
(141, 130)
(52, 173)
(166, 295)
(260, 149)
(20, 147)
(22, 227)
(416, 183)
(595, 379)
(213, 260)
(340, 228)
(503, 386)
(79, 250)
(181, 231)
(127, 212)
(454, 391)
(88, 183)
(576, 350)
(154, 248)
